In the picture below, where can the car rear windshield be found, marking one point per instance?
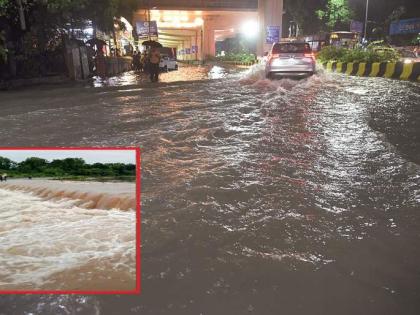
(291, 48)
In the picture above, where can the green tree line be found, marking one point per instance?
(68, 167)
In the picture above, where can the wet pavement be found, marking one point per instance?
(258, 196)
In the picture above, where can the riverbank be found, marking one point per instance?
(78, 178)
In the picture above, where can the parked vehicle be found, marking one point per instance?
(344, 39)
(290, 59)
(167, 63)
(408, 56)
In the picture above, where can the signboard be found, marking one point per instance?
(144, 27)
(408, 26)
(187, 51)
(356, 26)
(194, 49)
(272, 34)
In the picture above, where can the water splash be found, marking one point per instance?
(82, 199)
(48, 241)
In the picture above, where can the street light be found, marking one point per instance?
(366, 18)
(250, 29)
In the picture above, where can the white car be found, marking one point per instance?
(167, 63)
(290, 59)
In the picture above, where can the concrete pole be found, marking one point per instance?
(366, 19)
(209, 48)
(270, 13)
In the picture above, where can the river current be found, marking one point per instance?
(58, 239)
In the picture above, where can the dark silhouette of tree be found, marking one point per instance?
(6, 164)
(34, 166)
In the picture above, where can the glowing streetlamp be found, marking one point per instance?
(250, 29)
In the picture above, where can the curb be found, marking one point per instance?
(22, 83)
(394, 70)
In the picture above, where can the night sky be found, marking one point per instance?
(379, 10)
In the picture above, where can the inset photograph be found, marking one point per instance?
(69, 220)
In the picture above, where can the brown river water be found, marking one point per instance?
(62, 235)
(258, 197)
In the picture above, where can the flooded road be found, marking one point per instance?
(258, 197)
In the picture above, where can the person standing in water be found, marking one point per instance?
(154, 64)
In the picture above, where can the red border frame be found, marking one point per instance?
(138, 222)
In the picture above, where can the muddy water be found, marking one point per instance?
(86, 194)
(56, 244)
(259, 197)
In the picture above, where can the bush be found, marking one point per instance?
(374, 53)
(244, 57)
(330, 53)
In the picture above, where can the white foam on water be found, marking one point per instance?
(255, 77)
(107, 195)
(40, 238)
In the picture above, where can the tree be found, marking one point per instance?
(73, 165)
(6, 164)
(337, 13)
(302, 12)
(49, 21)
(32, 164)
(3, 49)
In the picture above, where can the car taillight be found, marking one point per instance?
(310, 55)
(273, 57)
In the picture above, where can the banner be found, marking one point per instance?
(144, 27)
(272, 34)
(194, 49)
(356, 26)
(408, 26)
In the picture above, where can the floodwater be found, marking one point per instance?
(258, 197)
(54, 237)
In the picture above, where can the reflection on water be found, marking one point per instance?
(258, 196)
(184, 73)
